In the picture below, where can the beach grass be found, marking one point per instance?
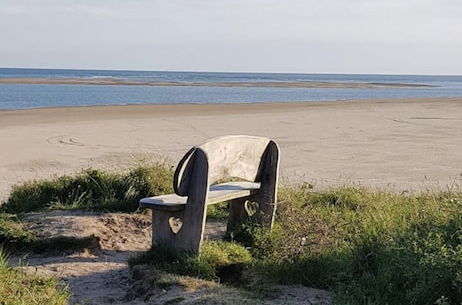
(91, 189)
(217, 260)
(18, 288)
(367, 246)
(12, 234)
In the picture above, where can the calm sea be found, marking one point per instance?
(22, 96)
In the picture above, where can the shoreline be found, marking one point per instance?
(229, 84)
(402, 144)
(262, 105)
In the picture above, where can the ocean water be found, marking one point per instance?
(23, 96)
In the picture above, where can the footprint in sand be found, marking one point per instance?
(64, 140)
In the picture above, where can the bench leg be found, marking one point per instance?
(195, 211)
(166, 226)
(237, 213)
(266, 208)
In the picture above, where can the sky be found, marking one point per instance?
(301, 36)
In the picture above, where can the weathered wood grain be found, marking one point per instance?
(227, 157)
(237, 213)
(217, 193)
(267, 195)
(179, 219)
(191, 236)
(162, 234)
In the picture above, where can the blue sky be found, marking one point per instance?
(325, 36)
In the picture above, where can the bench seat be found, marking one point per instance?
(217, 193)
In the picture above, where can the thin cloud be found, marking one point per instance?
(370, 36)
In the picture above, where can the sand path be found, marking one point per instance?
(102, 277)
(93, 278)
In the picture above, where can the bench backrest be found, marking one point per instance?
(242, 157)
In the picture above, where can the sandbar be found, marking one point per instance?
(100, 81)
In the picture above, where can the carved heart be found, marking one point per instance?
(175, 224)
(251, 207)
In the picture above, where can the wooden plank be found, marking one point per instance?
(231, 190)
(249, 158)
(195, 211)
(217, 193)
(267, 195)
(162, 233)
(234, 157)
(181, 177)
(170, 202)
(227, 157)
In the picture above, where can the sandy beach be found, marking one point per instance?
(399, 144)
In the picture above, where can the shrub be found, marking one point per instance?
(218, 211)
(91, 190)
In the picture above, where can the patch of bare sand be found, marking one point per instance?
(410, 144)
(158, 288)
(93, 279)
(117, 232)
(103, 278)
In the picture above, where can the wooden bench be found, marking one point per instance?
(178, 220)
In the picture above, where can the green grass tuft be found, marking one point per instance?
(18, 288)
(370, 247)
(12, 234)
(218, 211)
(91, 190)
(214, 262)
